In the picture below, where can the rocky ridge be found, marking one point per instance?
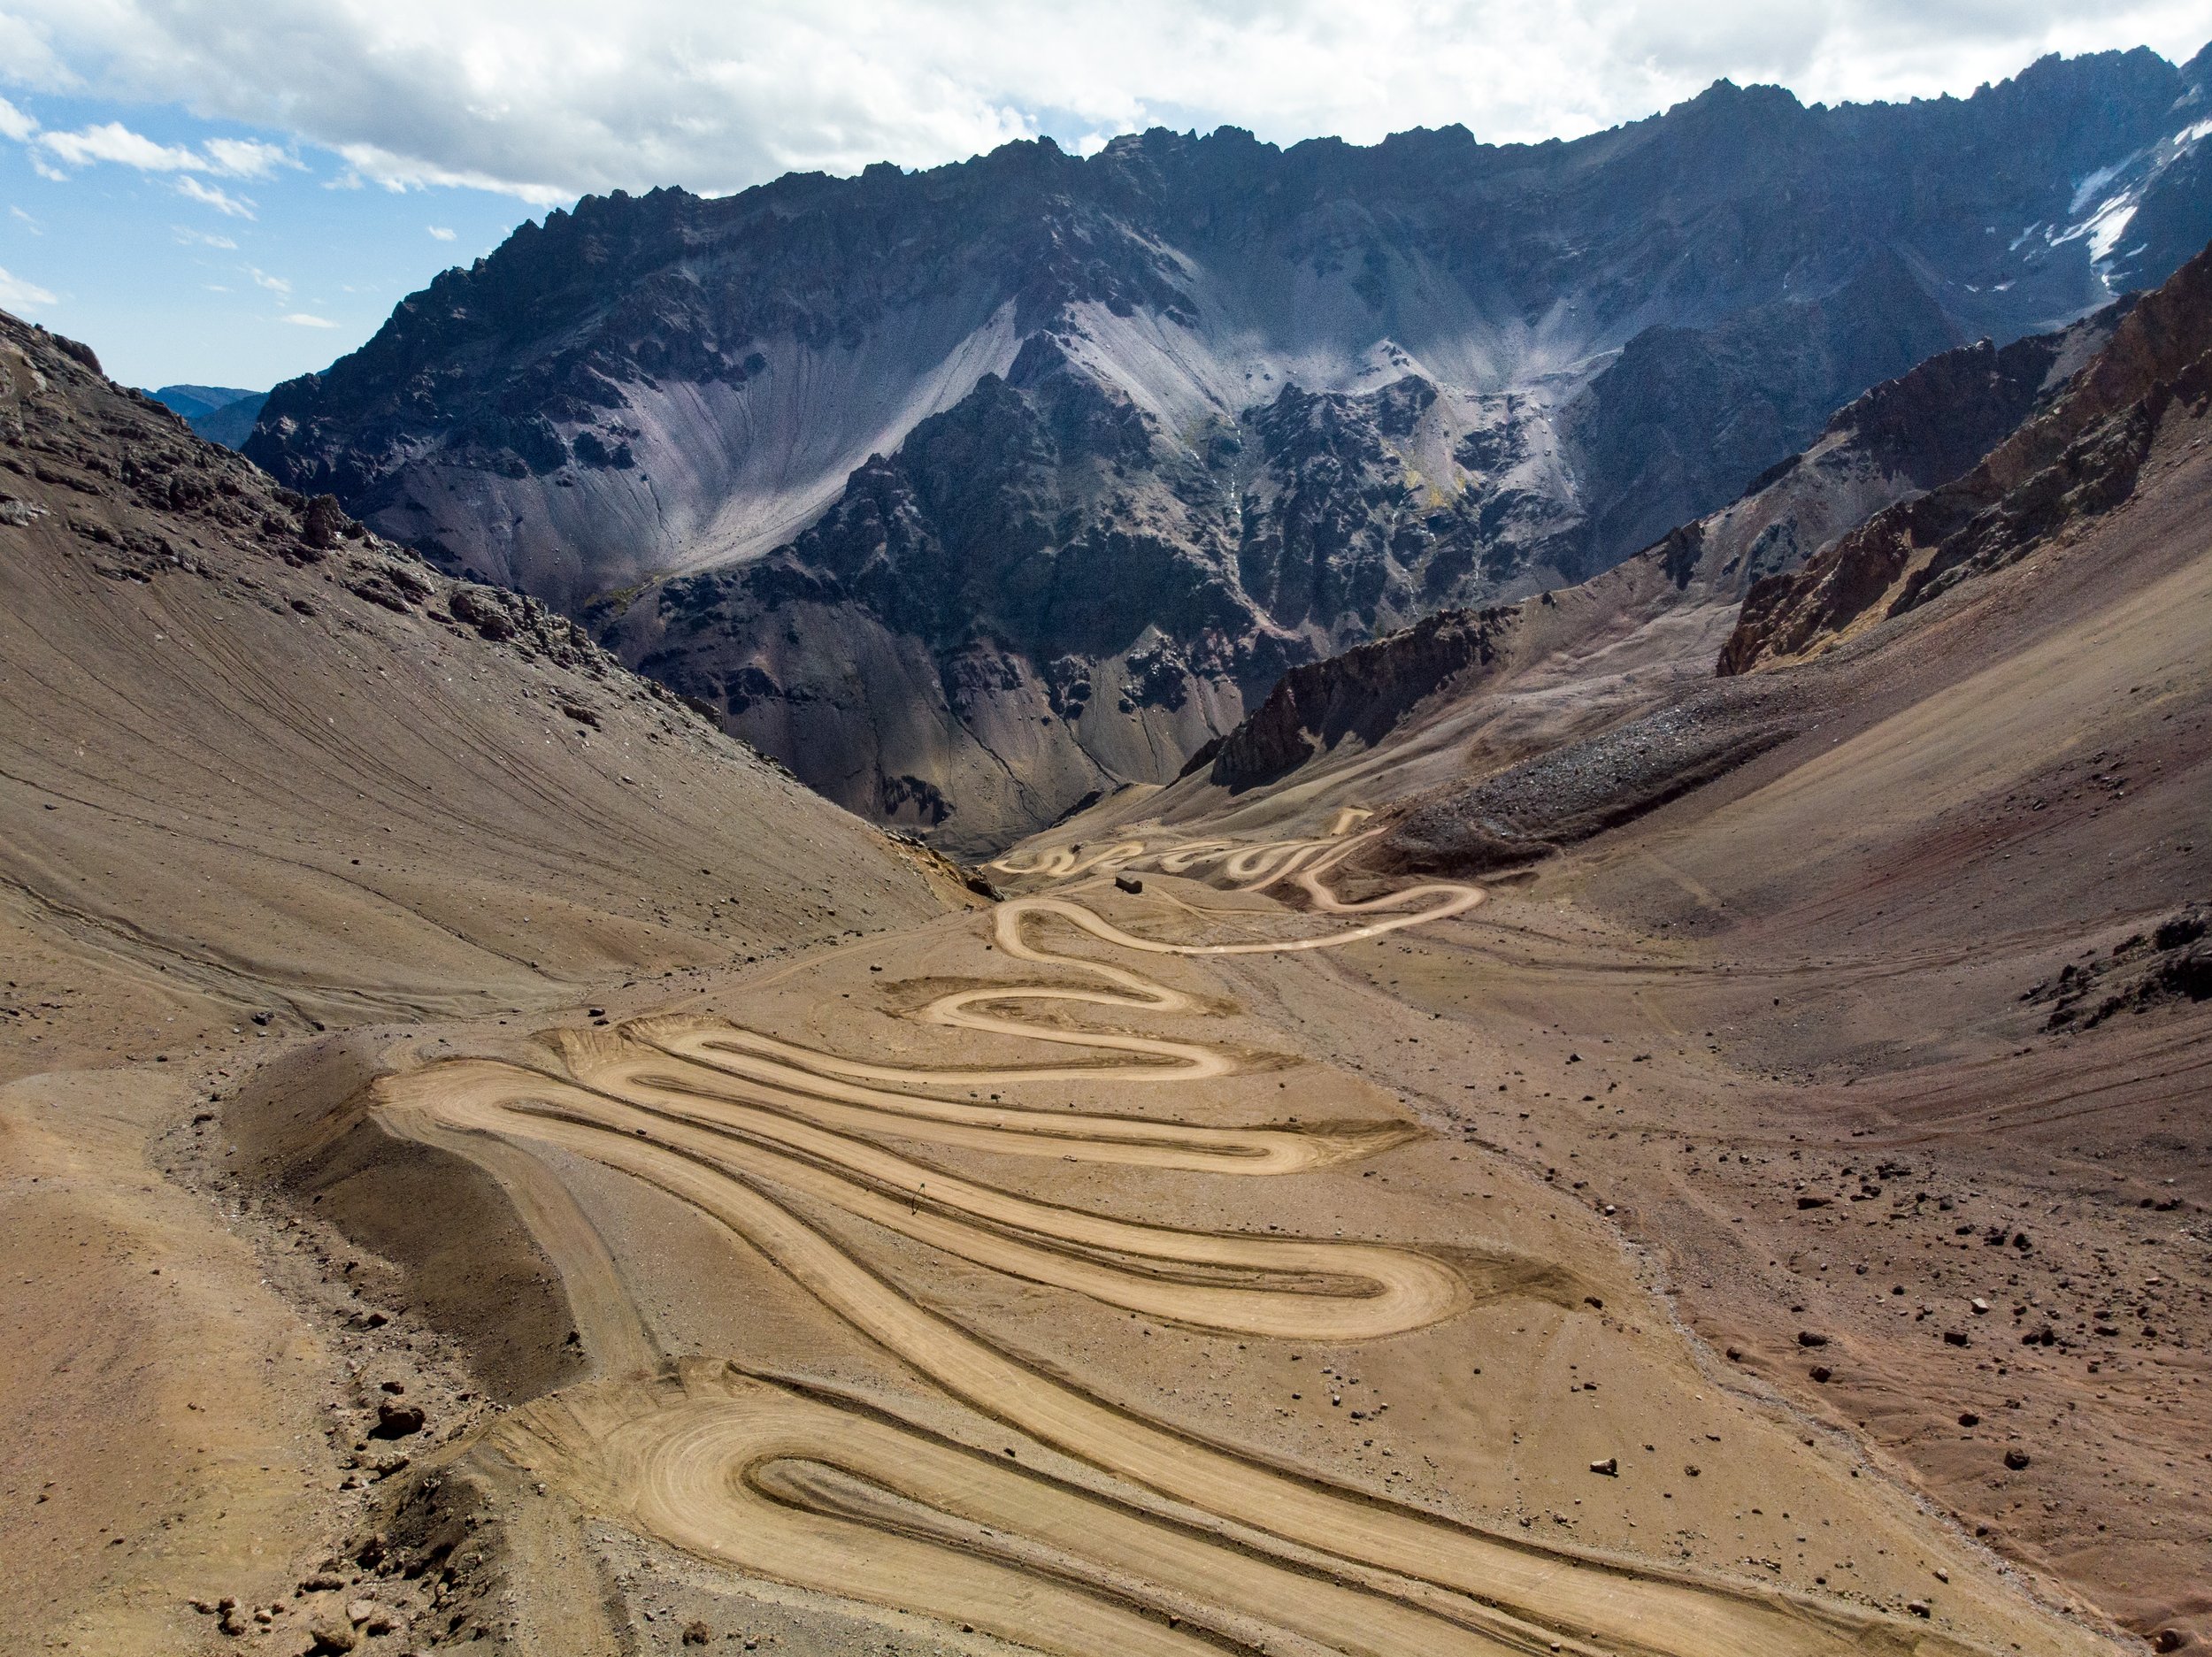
(1247, 406)
(2075, 458)
(2089, 403)
(1893, 443)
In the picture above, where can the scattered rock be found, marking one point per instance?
(1127, 883)
(1806, 1337)
(330, 1634)
(2172, 964)
(697, 1633)
(398, 1421)
(1822, 1373)
(2015, 1459)
(1610, 1467)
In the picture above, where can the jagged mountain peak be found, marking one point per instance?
(955, 396)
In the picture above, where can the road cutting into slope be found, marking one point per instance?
(1166, 1542)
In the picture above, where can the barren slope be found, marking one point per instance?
(1037, 1277)
(1462, 693)
(1144, 1265)
(1870, 995)
(258, 773)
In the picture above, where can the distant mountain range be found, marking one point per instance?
(973, 492)
(221, 414)
(1494, 738)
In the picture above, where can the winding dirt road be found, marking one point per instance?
(1145, 1538)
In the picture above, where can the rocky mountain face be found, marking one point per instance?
(2075, 456)
(1899, 439)
(971, 492)
(1969, 464)
(1364, 692)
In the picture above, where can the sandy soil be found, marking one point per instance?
(1038, 1276)
(253, 790)
(1784, 1034)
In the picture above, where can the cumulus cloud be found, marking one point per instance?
(547, 98)
(17, 295)
(440, 233)
(304, 320)
(14, 123)
(29, 60)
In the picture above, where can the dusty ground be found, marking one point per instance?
(1104, 1316)
(253, 786)
(1653, 1251)
(1809, 1031)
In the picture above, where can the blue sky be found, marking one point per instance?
(216, 278)
(231, 192)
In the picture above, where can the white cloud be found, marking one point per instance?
(28, 222)
(17, 295)
(397, 171)
(112, 141)
(29, 59)
(301, 318)
(440, 232)
(274, 284)
(247, 157)
(192, 238)
(546, 98)
(214, 196)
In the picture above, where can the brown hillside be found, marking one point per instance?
(262, 773)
